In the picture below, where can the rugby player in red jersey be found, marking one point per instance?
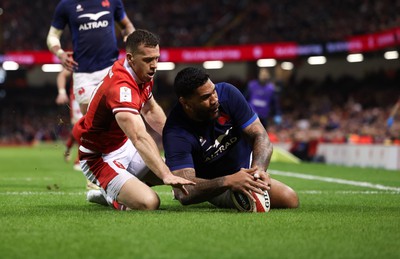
(116, 151)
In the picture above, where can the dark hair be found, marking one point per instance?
(139, 37)
(188, 80)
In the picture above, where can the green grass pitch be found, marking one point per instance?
(44, 214)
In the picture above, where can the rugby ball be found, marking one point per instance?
(244, 204)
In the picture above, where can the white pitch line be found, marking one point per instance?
(28, 179)
(347, 192)
(163, 193)
(336, 180)
(41, 193)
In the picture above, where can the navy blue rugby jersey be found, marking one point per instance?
(214, 148)
(92, 26)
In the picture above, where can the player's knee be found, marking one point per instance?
(149, 202)
(292, 199)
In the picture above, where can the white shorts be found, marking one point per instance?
(85, 83)
(111, 171)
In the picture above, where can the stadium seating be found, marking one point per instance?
(216, 22)
(334, 108)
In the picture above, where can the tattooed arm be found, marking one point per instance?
(262, 149)
(205, 189)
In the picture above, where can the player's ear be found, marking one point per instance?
(184, 102)
(129, 57)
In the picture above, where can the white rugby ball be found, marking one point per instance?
(243, 203)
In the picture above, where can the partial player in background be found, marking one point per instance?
(92, 25)
(116, 151)
(263, 97)
(214, 138)
(63, 78)
(392, 115)
(75, 114)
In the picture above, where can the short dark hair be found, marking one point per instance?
(139, 37)
(188, 80)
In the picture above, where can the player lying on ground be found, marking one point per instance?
(213, 137)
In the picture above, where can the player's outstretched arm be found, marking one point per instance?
(205, 189)
(135, 129)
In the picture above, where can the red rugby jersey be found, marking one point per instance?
(98, 130)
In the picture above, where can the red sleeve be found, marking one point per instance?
(124, 95)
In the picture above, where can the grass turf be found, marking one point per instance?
(44, 214)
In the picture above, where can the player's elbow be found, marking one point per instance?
(182, 198)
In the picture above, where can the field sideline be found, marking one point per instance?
(344, 213)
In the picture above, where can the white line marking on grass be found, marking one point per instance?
(41, 193)
(348, 192)
(28, 179)
(336, 180)
(163, 193)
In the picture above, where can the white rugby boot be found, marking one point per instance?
(96, 196)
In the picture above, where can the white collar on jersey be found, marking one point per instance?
(130, 70)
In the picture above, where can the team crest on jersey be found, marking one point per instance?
(105, 3)
(125, 94)
(223, 118)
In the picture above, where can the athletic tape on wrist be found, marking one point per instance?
(60, 52)
(62, 91)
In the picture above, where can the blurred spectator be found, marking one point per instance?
(263, 96)
(392, 115)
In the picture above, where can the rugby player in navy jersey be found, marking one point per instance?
(213, 137)
(92, 26)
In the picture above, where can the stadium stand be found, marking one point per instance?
(334, 110)
(217, 22)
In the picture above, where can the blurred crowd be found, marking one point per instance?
(24, 24)
(345, 110)
(30, 115)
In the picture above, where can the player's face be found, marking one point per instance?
(144, 62)
(204, 102)
(264, 75)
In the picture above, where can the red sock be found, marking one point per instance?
(119, 206)
(70, 141)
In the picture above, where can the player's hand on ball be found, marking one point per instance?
(260, 175)
(243, 181)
